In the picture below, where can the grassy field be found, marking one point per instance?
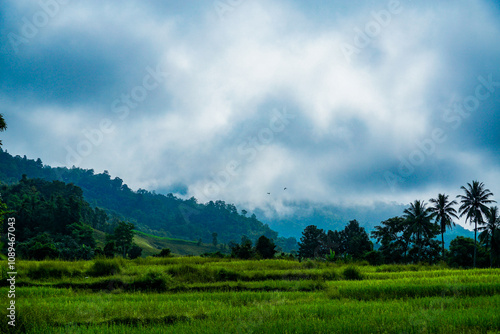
(152, 244)
(205, 295)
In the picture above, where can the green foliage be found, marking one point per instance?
(352, 273)
(122, 237)
(331, 257)
(244, 250)
(181, 219)
(52, 219)
(462, 251)
(50, 270)
(312, 243)
(224, 274)
(374, 258)
(165, 252)
(134, 252)
(151, 281)
(419, 227)
(474, 206)
(265, 247)
(104, 267)
(110, 249)
(394, 238)
(214, 255)
(39, 247)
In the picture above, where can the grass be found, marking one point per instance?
(152, 244)
(207, 295)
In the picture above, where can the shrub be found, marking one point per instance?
(103, 267)
(135, 252)
(152, 281)
(48, 270)
(187, 273)
(309, 264)
(165, 252)
(217, 254)
(352, 273)
(226, 275)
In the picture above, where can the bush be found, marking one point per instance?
(352, 273)
(217, 254)
(152, 281)
(103, 267)
(165, 252)
(48, 270)
(226, 275)
(187, 273)
(135, 252)
(374, 257)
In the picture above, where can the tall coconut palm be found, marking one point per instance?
(490, 229)
(419, 219)
(444, 212)
(474, 205)
(3, 125)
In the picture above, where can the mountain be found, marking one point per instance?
(163, 215)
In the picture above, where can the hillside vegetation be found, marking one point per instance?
(150, 212)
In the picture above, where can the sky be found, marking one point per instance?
(343, 103)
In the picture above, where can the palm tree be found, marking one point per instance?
(443, 211)
(474, 206)
(489, 230)
(419, 217)
(3, 126)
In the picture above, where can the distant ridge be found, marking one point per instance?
(152, 213)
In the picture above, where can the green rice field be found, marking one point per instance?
(206, 295)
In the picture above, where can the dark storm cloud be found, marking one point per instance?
(339, 102)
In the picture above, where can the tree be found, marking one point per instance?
(265, 247)
(123, 237)
(214, 239)
(418, 218)
(109, 249)
(243, 251)
(134, 252)
(461, 253)
(165, 252)
(357, 242)
(443, 211)
(3, 126)
(394, 238)
(490, 230)
(474, 205)
(312, 242)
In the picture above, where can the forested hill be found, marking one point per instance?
(150, 212)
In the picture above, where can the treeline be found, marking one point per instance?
(51, 219)
(158, 214)
(411, 238)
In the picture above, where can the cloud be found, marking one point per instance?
(261, 97)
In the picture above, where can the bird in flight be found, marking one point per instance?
(269, 193)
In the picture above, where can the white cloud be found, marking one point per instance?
(352, 120)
